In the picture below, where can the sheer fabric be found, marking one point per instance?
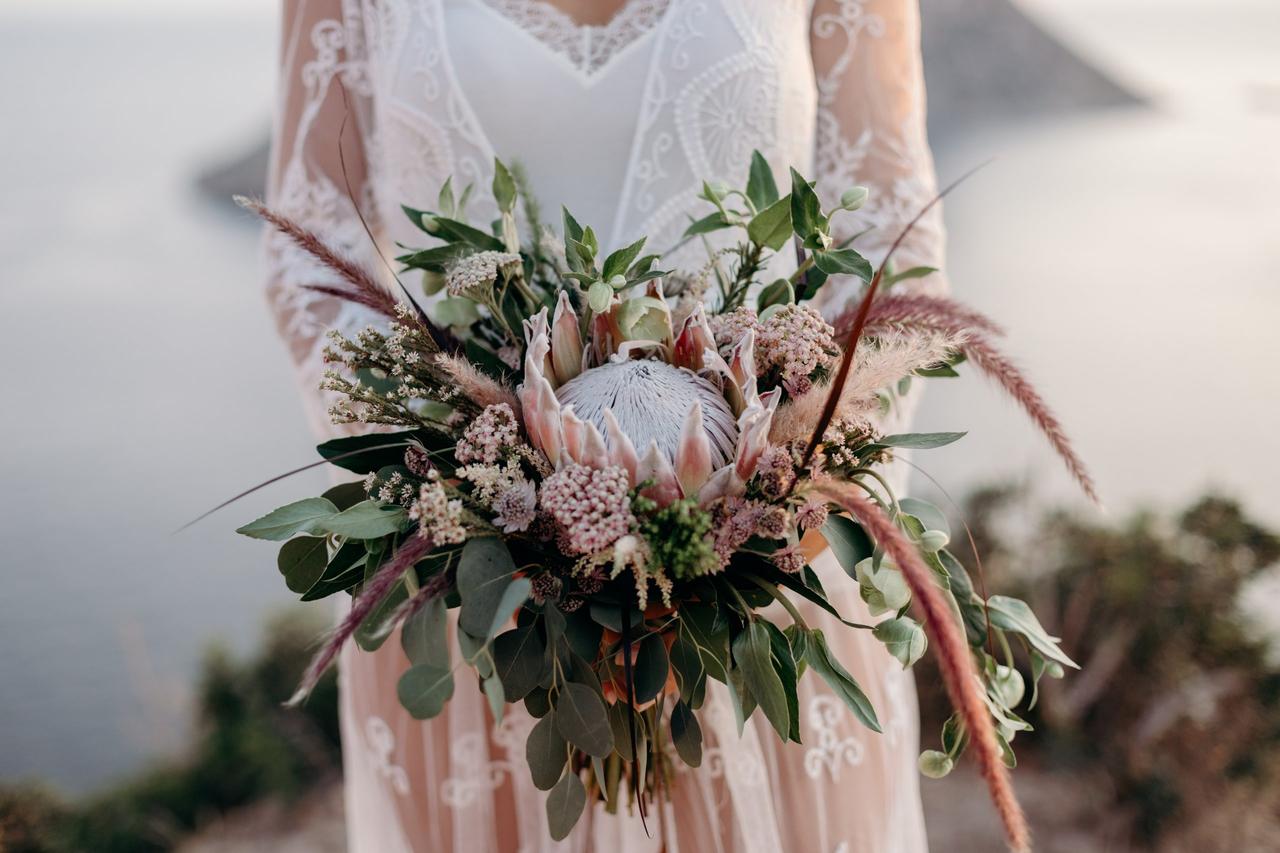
(380, 101)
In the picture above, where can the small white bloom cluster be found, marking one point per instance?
(394, 490)
(439, 519)
(506, 490)
(470, 275)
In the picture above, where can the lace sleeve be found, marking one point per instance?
(871, 129)
(321, 115)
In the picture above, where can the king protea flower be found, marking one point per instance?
(667, 408)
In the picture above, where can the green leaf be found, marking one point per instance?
(843, 262)
(453, 230)
(651, 668)
(691, 674)
(366, 520)
(914, 272)
(485, 570)
(806, 209)
(1015, 615)
(298, 517)
(903, 637)
(493, 691)
(761, 187)
(882, 587)
(345, 495)
(345, 570)
(714, 221)
(582, 720)
(519, 657)
(457, 312)
(753, 654)
(686, 734)
(376, 627)
(370, 452)
(848, 541)
(423, 635)
(504, 187)
(618, 262)
(779, 293)
(564, 805)
(818, 656)
(929, 515)
(436, 259)
(698, 623)
(476, 652)
(424, 690)
(921, 440)
(771, 227)
(513, 598)
(444, 199)
(546, 752)
(302, 561)
(935, 764)
(784, 663)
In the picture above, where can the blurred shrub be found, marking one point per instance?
(1178, 703)
(246, 747)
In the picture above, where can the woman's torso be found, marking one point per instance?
(621, 123)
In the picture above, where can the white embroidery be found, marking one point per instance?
(588, 47)
(831, 751)
(382, 744)
(472, 770)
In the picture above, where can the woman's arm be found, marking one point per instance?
(871, 130)
(318, 177)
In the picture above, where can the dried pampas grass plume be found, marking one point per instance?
(477, 386)
(365, 290)
(375, 589)
(896, 353)
(954, 659)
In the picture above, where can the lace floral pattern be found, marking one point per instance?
(588, 47)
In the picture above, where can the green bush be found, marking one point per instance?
(1178, 702)
(247, 747)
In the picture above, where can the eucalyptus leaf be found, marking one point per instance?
(935, 764)
(848, 541)
(582, 720)
(302, 561)
(565, 804)
(519, 657)
(497, 697)
(546, 751)
(485, 570)
(456, 312)
(423, 636)
(904, 638)
(368, 452)
(299, 517)
(513, 598)
(345, 495)
(345, 570)
(686, 734)
(651, 668)
(424, 690)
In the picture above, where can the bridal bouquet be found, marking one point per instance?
(610, 471)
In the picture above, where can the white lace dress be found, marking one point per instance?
(381, 101)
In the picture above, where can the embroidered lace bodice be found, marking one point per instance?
(620, 122)
(381, 100)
